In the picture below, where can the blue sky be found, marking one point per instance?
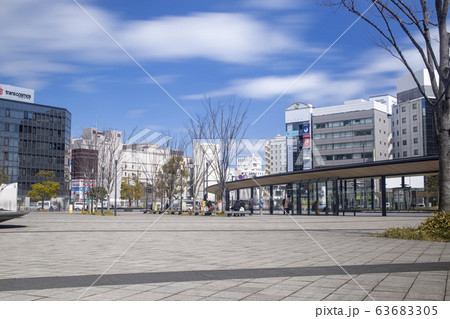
(247, 50)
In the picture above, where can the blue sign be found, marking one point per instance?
(75, 189)
(292, 133)
(305, 129)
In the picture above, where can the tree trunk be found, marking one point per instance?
(444, 158)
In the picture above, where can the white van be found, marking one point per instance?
(47, 205)
(78, 206)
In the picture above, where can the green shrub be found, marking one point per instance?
(434, 228)
(437, 225)
(105, 213)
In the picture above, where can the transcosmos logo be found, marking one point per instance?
(17, 94)
(1, 91)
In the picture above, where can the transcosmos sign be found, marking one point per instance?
(16, 93)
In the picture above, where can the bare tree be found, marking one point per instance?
(175, 146)
(218, 130)
(418, 22)
(109, 151)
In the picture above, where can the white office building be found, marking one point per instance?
(276, 155)
(354, 132)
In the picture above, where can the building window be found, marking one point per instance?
(414, 117)
(405, 153)
(414, 106)
(403, 109)
(404, 142)
(416, 140)
(416, 152)
(404, 131)
(403, 119)
(415, 129)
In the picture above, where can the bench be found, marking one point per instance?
(235, 213)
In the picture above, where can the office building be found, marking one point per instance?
(413, 131)
(275, 155)
(93, 162)
(33, 137)
(246, 167)
(354, 132)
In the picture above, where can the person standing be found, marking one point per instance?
(261, 203)
(250, 205)
(315, 207)
(287, 205)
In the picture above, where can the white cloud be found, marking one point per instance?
(225, 37)
(374, 72)
(272, 4)
(314, 87)
(41, 38)
(134, 114)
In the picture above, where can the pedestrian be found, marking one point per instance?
(250, 205)
(261, 203)
(287, 204)
(236, 206)
(315, 207)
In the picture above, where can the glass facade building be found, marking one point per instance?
(34, 137)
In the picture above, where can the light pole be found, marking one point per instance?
(103, 168)
(115, 190)
(181, 197)
(205, 196)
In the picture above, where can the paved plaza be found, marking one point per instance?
(135, 256)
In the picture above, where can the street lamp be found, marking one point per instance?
(182, 175)
(181, 197)
(205, 196)
(115, 189)
(103, 168)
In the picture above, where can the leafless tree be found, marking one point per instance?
(424, 24)
(219, 129)
(175, 146)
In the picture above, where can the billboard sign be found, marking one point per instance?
(306, 129)
(292, 133)
(306, 141)
(15, 93)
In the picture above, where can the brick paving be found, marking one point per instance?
(58, 256)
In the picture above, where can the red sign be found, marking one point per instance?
(306, 141)
(1, 91)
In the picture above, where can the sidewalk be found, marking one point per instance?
(58, 256)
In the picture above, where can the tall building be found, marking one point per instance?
(93, 158)
(246, 167)
(276, 155)
(412, 119)
(354, 132)
(33, 137)
(298, 118)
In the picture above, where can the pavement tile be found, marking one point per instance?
(230, 294)
(20, 297)
(182, 297)
(385, 296)
(263, 297)
(423, 296)
(146, 296)
(345, 297)
(175, 249)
